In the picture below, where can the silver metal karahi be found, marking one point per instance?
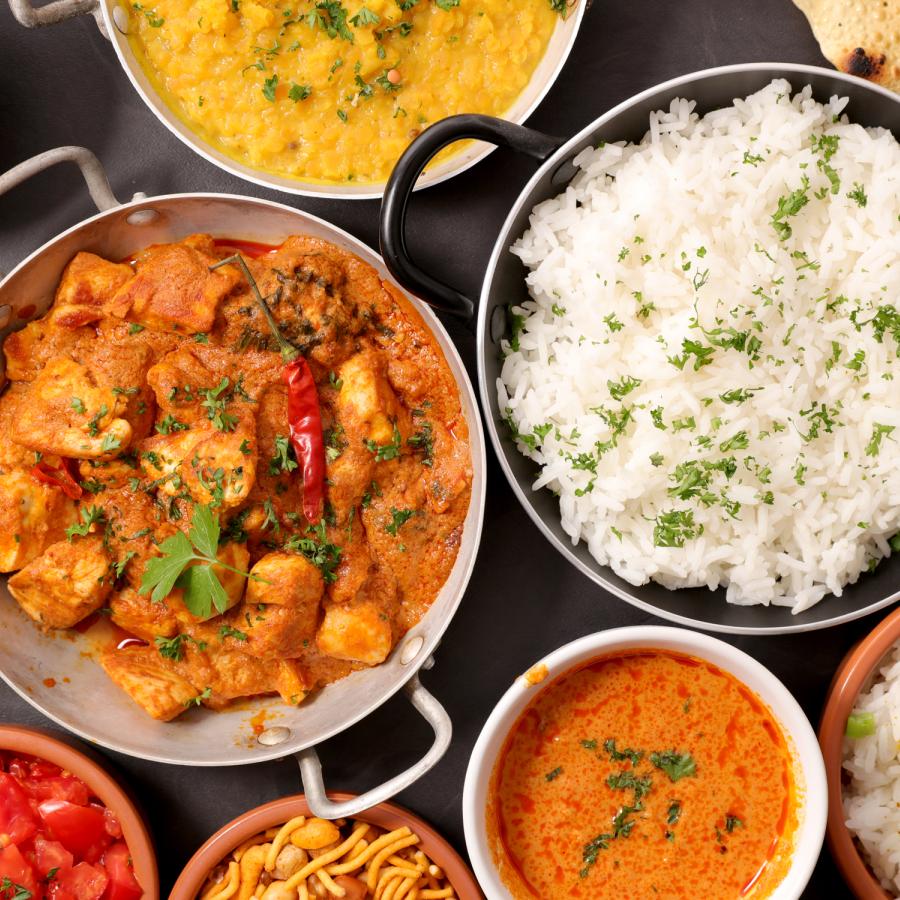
(88, 703)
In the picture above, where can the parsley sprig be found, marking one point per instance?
(187, 562)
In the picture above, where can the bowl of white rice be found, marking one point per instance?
(860, 739)
(689, 345)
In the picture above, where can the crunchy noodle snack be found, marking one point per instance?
(359, 861)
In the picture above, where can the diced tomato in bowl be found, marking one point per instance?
(122, 883)
(57, 840)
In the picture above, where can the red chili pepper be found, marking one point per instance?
(304, 419)
(305, 425)
(59, 477)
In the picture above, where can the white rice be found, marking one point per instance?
(872, 798)
(684, 221)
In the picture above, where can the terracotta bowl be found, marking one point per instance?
(385, 815)
(43, 744)
(852, 674)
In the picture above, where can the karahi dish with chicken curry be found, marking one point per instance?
(252, 460)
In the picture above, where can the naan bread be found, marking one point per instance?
(861, 37)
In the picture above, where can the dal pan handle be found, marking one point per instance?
(402, 183)
(91, 168)
(311, 767)
(52, 13)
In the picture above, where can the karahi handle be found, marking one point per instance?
(311, 767)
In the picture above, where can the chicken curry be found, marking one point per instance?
(253, 460)
(642, 773)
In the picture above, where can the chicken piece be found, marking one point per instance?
(366, 405)
(292, 681)
(138, 615)
(196, 380)
(33, 516)
(87, 286)
(173, 290)
(67, 582)
(234, 555)
(66, 411)
(150, 681)
(321, 297)
(360, 632)
(280, 611)
(211, 465)
(28, 350)
(355, 567)
(227, 673)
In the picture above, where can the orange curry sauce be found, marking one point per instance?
(643, 774)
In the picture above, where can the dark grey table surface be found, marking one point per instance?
(63, 85)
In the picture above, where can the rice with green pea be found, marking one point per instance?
(705, 369)
(872, 794)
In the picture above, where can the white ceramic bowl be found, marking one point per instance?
(809, 769)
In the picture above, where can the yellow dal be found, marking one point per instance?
(476, 57)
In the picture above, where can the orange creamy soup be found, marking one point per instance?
(643, 774)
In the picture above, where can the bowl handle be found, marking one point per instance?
(311, 767)
(52, 13)
(401, 184)
(91, 168)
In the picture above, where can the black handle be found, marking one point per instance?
(402, 182)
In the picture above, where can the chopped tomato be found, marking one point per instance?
(83, 882)
(18, 768)
(50, 856)
(58, 787)
(15, 868)
(17, 819)
(80, 829)
(40, 768)
(111, 824)
(122, 883)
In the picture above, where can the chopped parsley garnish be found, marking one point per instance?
(269, 87)
(789, 206)
(628, 781)
(283, 460)
(675, 765)
(215, 402)
(553, 775)
(738, 441)
(634, 756)
(331, 17)
(619, 389)
(738, 395)
(858, 195)
(732, 822)
(299, 92)
(226, 631)
(90, 515)
(316, 547)
(423, 440)
(612, 323)
(365, 17)
(384, 452)
(170, 424)
(674, 527)
(691, 348)
(879, 431)
(674, 813)
(205, 694)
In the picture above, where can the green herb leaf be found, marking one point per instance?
(676, 765)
